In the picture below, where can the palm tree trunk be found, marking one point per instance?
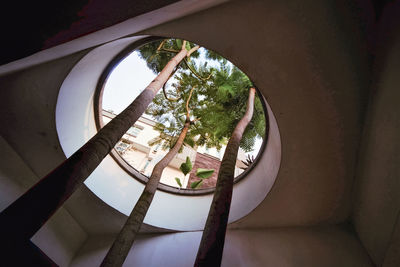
(25, 216)
(123, 243)
(213, 238)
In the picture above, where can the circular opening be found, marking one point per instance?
(76, 124)
(218, 93)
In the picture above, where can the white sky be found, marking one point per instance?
(128, 80)
(125, 83)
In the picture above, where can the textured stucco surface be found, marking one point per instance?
(310, 60)
(329, 246)
(62, 236)
(377, 187)
(295, 55)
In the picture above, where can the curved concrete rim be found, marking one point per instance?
(75, 122)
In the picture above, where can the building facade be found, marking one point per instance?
(134, 148)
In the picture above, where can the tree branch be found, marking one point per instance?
(169, 50)
(161, 45)
(201, 134)
(192, 50)
(169, 98)
(194, 72)
(164, 90)
(187, 104)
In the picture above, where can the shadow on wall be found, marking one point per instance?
(294, 247)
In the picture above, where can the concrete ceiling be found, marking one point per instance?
(316, 88)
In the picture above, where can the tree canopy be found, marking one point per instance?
(218, 99)
(158, 53)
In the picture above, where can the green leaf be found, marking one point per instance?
(188, 46)
(196, 184)
(178, 181)
(204, 173)
(224, 91)
(178, 42)
(187, 166)
(190, 142)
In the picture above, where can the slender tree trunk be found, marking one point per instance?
(213, 238)
(123, 243)
(24, 217)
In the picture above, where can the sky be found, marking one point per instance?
(128, 80)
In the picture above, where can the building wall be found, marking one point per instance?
(291, 247)
(169, 174)
(62, 236)
(137, 159)
(143, 158)
(206, 162)
(320, 121)
(311, 63)
(376, 213)
(146, 134)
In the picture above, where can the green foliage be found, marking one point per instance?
(188, 46)
(171, 115)
(204, 173)
(216, 106)
(178, 181)
(226, 103)
(218, 103)
(215, 56)
(201, 173)
(156, 59)
(196, 184)
(178, 42)
(186, 167)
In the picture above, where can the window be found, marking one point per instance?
(156, 149)
(134, 130)
(145, 166)
(122, 146)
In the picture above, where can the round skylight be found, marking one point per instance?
(78, 119)
(218, 95)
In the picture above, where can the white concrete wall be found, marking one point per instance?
(61, 237)
(290, 247)
(377, 188)
(310, 61)
(319, 79)
(169, 174)
(136, 159)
